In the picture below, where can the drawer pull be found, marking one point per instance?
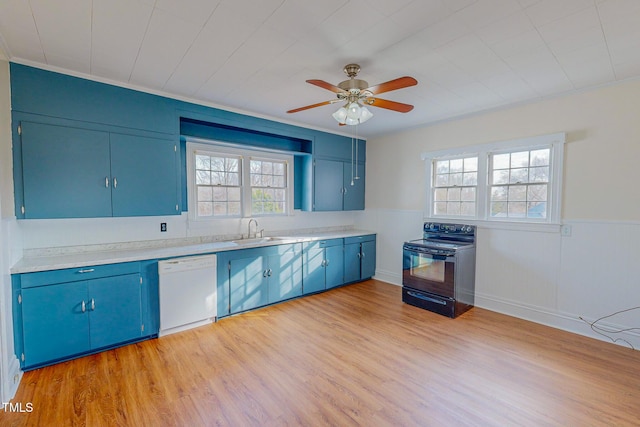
(87, 270)
(84, 306)
(93, 304)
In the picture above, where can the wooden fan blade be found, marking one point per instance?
(389, 105)
(319, 104)
(396, 84)
(325, 85)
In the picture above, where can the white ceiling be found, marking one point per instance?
(255, 55)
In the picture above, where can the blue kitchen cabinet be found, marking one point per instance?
(323, 265)
(359, 258)
(54, 325)
(71, 172)
(332, 189)
(64, 172)
(144, 171)
(71, 312)
(262, 276)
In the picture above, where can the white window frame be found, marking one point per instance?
(554, 141)
(200, 146)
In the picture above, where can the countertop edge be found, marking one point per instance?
(60, 262)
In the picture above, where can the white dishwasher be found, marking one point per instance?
(187, 293)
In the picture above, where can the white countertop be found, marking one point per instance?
(125, 252)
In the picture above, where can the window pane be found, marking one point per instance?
(205, 194)
(203, 178)
(517, 209)
(470, 178)
(520, 160)
(442, 166)
(453, 194)
(540, 174)
(517, 193)
(205, 209)
(232, 165)
(217, 164)
(219, 208)
(440, 208)
(537, 210)
(233, 194)
(468, 194)
(442, 180)
(234, 208)
(537, 193)
(519, 175)
(278, 181)
(500, 177)
(471, 164)
(203, 162)
(499, 193)
(440, 195)
(540, 157)
(498, 209)
(501, 161)
(468, 209)
(455, 165)
(453, 208)
(455, 179)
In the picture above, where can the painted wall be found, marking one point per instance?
(541, 276)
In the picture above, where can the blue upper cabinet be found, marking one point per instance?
(70, 172)
(52, 94)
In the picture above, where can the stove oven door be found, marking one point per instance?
(428, 272)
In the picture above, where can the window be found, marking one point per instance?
(227, 182)
(519, 184)
(455, 186)
(518, 180)
(268, 187)
(218, 185)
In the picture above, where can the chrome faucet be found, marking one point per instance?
(249, 228)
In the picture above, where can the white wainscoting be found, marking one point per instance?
(540, 276)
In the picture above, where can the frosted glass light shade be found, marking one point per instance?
(340, 115)
(352, 114)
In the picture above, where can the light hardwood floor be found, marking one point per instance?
(351, 356)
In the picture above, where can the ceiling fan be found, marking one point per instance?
(357, 94)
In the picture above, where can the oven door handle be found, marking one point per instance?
(434, 256)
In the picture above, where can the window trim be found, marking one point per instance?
(195, 145)
(554, 141)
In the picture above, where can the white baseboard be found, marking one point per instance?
(564, 321)
(13, 379)
(388, 277)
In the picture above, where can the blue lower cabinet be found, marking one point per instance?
(323, 265)
(359, 258)
(65, 320)
(260, 276)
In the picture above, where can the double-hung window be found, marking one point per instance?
(519, 180)
(227, 181)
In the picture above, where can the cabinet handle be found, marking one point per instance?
(106, 181)
(362, 254)
(115, 182)
(345, 190)
(358, 254)
(264, 273)
(326, 262)
(93, 304)
(84, 306)
(87, 270)
(269, 272)
(323, 263)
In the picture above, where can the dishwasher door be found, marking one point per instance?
(187, 293)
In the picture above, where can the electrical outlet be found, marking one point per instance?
(163, 226)
(565, 230)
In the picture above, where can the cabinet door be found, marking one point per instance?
(353, 194)
(285, 274)
(65, 171)
(327, 185)
(54, 325)
(368, 259)
(313, 268)
(145, 176)
(115, 312)
(334, 268)
(351, 262)
(249, 287)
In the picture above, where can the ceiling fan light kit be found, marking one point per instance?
(357, 94)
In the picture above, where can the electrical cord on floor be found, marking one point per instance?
(604, 332)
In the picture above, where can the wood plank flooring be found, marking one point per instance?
(351, 356)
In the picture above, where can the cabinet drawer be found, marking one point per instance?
(359, 239)
(316, 244)
(30, 280)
